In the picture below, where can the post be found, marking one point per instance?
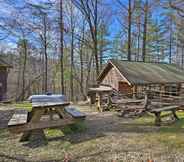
(134, 91)
(98, 96)
(157, 119)
(161, 91)
(179, 89)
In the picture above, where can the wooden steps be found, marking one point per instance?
(19, 118)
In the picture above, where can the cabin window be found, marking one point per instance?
(1, 84)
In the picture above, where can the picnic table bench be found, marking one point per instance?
(157, 112)
(33, 123)
(18, 118)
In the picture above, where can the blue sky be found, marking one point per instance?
(114, 27)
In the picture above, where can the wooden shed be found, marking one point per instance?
(4, 68)
(133, 77)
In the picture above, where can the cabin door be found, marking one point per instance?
(124, 88)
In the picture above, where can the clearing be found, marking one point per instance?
(102, 137)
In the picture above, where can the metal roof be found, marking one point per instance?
(145, 73)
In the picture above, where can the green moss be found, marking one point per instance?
(69, 129)
(150, 119)
(170, 135)
(146, 119)
(24, 105)
(53, 133)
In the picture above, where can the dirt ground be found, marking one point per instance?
(107, 138)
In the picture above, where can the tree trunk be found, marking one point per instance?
(18, 78)
(145, 31)
(129, 30)
(24, 68)
(170, 42)
(81, 63)
(89, 71)
(182, 57)
(61, 46)
(45, 53)
(72, 54)
(95, 41)
(138, 39)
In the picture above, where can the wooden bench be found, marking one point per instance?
(20, 117)
(157, 112)
(75, 113)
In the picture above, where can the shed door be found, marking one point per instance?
(124, 88)
(1, 91)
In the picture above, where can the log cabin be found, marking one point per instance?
(133, 77)
(4, 69)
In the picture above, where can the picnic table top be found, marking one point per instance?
(50, 104)
(47, 101)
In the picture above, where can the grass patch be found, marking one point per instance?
(174, 128)
(171, 135)
(172, 141)
(146, 119)
(3, 133)
(53, 133)
(150, 120)
(24, 105)
(69, 129)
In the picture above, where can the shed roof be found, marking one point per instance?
(145, 73)
(4, 63)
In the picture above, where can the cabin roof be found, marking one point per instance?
(4, 64)
(145, 73)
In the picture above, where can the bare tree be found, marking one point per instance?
(129, 10)
(177, 5)
(61, 24)
(72, 27)
(45, 44)
(90, 10)
(129, 29)
(146, 9)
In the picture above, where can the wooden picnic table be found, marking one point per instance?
(35, 124)
(38, 110)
